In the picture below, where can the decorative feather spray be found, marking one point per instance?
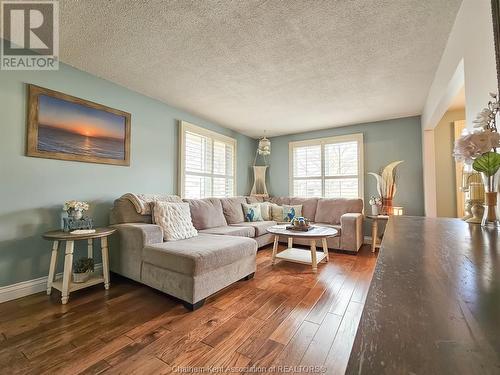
(386, 183)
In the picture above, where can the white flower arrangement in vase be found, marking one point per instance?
(376, 203)
(479, 148)
(75, 209)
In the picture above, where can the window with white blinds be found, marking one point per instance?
(327, 167)
(207, 163)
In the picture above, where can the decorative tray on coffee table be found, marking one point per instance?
(299, 229)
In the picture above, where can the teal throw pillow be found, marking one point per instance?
(252, 212)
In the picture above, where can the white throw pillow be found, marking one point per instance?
(265, 210)
(175, 220)
(252, 212)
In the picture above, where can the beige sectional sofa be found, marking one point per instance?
(224, 250)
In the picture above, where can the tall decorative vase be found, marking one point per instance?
(491, 217)
(387, 206)
(259, 185)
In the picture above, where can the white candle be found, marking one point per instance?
(397, 211)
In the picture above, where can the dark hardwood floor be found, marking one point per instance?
(285, 316)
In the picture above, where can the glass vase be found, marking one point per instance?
(491, 217)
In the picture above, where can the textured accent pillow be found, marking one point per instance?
(175, 220)
(289, 212)
(276, 212)
(252, 212)
(265, 210)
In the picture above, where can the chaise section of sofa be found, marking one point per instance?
(198, 267)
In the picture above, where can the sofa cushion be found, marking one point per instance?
(279, 200)
(231, 231)
(260, 226)
(206, 213)
(308, 206)
(330, 210)
(200, 254)
(232, 209)
(253, 199)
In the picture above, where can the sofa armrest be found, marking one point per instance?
(144, 234)
(126, 250)
(351, 231)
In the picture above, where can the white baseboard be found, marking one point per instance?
(25, 288)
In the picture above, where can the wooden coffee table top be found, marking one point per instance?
(315, 232)
(59, 235)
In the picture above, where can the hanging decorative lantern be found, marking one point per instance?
(259, 188)
(264, 146)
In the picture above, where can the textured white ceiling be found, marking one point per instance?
(282, 66)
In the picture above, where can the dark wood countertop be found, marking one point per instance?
(434, 302)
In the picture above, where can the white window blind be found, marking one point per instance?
(207, 163)
(328, 167)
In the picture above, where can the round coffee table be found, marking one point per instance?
(303, 256)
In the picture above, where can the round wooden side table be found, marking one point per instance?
(375, 219)
(65, 285)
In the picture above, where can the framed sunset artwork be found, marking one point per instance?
(64, 127)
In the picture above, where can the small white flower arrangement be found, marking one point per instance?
(76, 205)
(75, 209)
(375, 201)
(479, 146)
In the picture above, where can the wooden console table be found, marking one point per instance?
(65, 285)
(434, 301)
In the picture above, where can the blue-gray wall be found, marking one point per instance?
(33, 190)
(384, 142)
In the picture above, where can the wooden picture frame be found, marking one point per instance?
(103, 131)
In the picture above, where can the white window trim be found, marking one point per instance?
(358, 137)
(184, 127)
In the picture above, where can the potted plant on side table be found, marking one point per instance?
(82, 269)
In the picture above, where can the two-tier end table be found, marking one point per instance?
(65, 285)
(303, 256)
(375, 219)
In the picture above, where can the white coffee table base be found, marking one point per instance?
(303, 256)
